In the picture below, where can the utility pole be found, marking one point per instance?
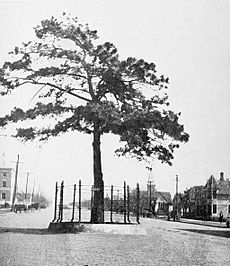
(149, 185)
(176, 184)
(3, 159)
(176, 196)
(38, 194)
(32, 200)
(26, 185)
(15, 184)
(211, 195)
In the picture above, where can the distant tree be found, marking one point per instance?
(86, 85)
(42, 200)
(145, 207)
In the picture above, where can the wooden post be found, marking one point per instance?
(26, 185)
(15, 185)
(111, 205)
(74, 195)
(59, 207)
(38, 197)
(128, 204)
(150, 196)
(211, 198)
(55, 202)
(124, 202)
(138, 204)
(32, 200)
(62, 198)
(177, 216)
(61, 203)
(79, 201)
(91, 202)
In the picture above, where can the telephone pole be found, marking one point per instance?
(38, 194)
(176, 184)
(15, 185)
(176, 197)
(32, 200)
(3, 159)
(26, 184)
(211, 196)
(149, 187)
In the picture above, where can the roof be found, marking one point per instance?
(211, 182)
(165, 195)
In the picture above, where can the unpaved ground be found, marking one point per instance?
(25, 241)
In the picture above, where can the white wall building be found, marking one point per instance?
(6, 186)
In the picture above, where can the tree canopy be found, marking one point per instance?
(90, 89)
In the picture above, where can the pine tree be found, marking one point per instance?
(86, 85)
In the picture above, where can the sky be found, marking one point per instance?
(187, 40)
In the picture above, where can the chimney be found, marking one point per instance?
(221, 176)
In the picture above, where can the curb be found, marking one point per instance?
(223, 225)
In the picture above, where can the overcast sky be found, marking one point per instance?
(187, 40)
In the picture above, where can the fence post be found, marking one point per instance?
(150, 196)
(128, 204)
(60, 215)
(61, 200)
(55, 202)
(124, 202)
(74, 195)
(79, 201)
(91, 203)
(138, 204)
(111, 205)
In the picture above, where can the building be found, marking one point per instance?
(153, 202)
(6, 187)
(192, 203)
(220, 198)
(163, 202)
(208, 201)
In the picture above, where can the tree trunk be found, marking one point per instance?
(97, 211)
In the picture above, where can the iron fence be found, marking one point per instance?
(73, 203)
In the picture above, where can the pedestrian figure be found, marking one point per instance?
(221, 217)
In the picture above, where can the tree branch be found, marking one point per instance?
(69, 92)
(36, 93)
(51, 85)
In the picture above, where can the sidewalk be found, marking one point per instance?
(3, 210)
(205, 223)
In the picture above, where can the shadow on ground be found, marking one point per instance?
(29, 231)
(221, 233)
(43, 231)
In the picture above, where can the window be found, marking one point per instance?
(3, 183)
(228, 208)
(214, 208)
(4, 173)
(214, 194)
(3, 195)
(161, 205)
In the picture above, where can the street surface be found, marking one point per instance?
(24, 240)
